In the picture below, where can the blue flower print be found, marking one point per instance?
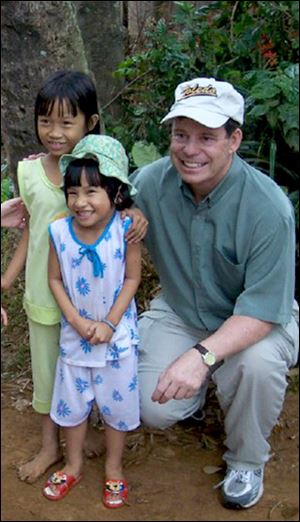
(62, 351)
(118, 254)
(81, 385)
(107, 235)
(116, 293)
(117, 396)
(126, 223)
(63, 321)
(82, 286)
(136, 350)
(61, 375)
(98, 379)
(133, 384)
(128, 313)
(85, 346)
(105, 410)
(89, 406)
(114, 350)
(76, 262)
(122, 426)
(133, 335)
(63, 409)
(115, 364)
(84, 313)
(63, 247)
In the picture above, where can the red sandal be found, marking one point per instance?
(115, 494)
(59, 485)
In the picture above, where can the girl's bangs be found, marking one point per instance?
(76, 169)
(45, 107)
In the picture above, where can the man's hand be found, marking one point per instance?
(139, 225)
(182, 379)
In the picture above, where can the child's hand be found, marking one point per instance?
(139, 226)
(85, 327)
(35, 156)
(4, 318)
(100, 333)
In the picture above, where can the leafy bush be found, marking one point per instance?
(253, 45)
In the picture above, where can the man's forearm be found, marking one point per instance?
(236, 334)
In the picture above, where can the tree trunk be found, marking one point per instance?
(38, 38)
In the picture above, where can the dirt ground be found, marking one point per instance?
(171, 474)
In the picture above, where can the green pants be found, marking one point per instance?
(44, 348)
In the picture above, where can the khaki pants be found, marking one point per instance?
(251, 385)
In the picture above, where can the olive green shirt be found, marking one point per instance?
(232, 253)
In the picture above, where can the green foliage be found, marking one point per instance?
(142, 154)
(253, 45)
(7, 187)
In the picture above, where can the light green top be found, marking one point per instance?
(232, 253)
(44, 202)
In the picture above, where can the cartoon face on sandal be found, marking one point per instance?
(58, 478)
(114, 486)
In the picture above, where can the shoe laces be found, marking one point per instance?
(242, 476)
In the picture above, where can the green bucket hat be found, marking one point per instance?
(108, 152)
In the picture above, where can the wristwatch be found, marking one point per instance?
(208, 357)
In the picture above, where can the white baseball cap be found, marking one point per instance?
(207, 101)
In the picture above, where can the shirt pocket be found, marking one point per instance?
(229, 276)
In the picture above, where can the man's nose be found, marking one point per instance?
(191, 148)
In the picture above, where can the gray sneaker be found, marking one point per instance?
(241, 489)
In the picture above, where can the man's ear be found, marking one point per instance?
(235, 140)
(92, 121)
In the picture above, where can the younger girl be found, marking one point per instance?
(94, 276)
(66, 110)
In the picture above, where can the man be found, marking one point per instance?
(221, 236)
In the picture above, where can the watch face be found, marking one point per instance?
(209, 358)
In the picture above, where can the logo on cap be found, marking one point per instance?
(198, 90)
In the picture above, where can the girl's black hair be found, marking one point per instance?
(76, 88)
(117, 191)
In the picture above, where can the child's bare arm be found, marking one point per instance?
(17, 262)
(80, 324)
(103, 332)
(131, 283)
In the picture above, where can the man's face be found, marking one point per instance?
(202, 155)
